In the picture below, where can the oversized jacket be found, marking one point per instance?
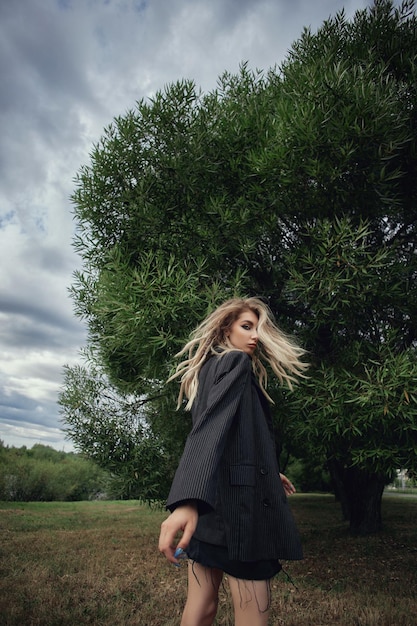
(229, 466)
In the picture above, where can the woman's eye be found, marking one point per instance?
(246, 326)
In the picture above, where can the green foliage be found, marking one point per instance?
(309, 474)
(366, 415)
(300, 185)
(114, 430)
(44, 474)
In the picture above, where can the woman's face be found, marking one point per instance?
(243, 333)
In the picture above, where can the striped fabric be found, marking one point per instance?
(229, 466)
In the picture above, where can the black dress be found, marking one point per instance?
(217, 557)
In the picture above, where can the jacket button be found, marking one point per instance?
(263, 471)
(266, 502)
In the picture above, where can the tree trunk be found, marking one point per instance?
(336, 474)
(360, 494)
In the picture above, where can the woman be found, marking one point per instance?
(228, 497)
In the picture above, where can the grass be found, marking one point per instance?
(73, 564)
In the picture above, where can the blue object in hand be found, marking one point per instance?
(180, 554)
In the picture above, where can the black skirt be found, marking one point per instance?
(217, 557)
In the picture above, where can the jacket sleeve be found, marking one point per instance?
(196, 476)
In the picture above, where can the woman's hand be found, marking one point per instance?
(184, 518)
(287, 484)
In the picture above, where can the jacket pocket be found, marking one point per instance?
(242, 475)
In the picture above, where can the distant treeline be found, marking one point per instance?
(42, 473)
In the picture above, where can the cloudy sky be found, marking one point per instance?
(67, 68)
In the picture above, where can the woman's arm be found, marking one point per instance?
(196, 475)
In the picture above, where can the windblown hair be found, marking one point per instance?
(211, 338)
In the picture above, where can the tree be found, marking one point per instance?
(111, 429)
(359, 405)
(299, 185)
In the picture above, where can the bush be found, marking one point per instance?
(44, 474)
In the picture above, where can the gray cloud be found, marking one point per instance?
(37, 328)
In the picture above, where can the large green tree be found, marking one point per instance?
(298, 185)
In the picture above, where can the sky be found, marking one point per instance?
(67, 68)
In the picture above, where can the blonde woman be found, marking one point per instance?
(228, 497)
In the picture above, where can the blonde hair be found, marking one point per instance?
(274, 347)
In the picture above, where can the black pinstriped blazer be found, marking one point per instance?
(229, 466)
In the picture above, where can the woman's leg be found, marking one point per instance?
(202, 598)
(251, 601)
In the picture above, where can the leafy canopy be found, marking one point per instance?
(299, 185)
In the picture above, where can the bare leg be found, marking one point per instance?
(251, 601)
(202, 598)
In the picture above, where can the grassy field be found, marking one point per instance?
(70, 564)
